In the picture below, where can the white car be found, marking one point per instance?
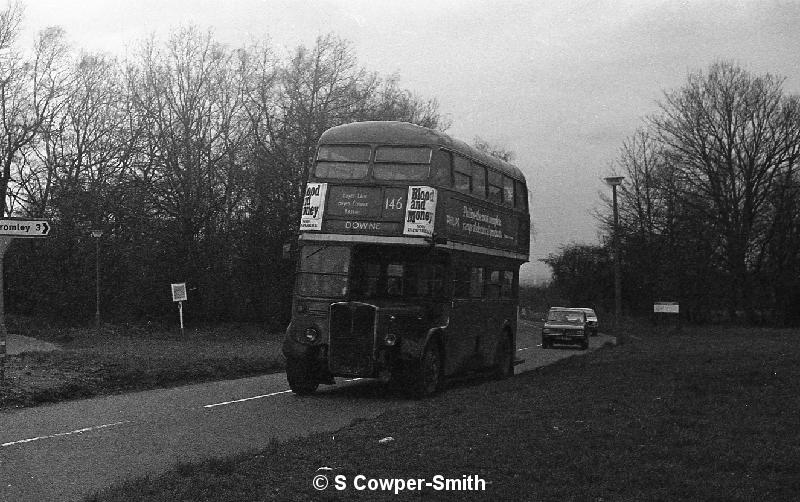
(591, 320)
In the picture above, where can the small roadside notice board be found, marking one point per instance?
(666, 308)
(179, 292)
(667, 313)
(179, 295)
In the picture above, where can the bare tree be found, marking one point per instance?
(192, 103)
(390, 102)
(30, 89)
(498, 151)
(190, 97)
(667, 248)
(192, 156)
(81, 146)
(708, 184)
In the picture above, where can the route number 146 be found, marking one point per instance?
(394, 203)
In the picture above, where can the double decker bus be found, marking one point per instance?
(410, 245)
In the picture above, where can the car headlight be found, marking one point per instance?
(311, 335)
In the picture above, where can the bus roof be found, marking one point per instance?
(404, 133)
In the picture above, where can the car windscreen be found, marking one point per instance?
(565, 317)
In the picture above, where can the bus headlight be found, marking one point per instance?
(311, 334)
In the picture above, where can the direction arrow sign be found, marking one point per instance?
(24, 228)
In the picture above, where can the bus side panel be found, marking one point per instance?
(467, 318)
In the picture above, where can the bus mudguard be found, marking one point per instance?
(297, 350)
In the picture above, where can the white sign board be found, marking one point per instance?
(179, 292)
(313, 206)
(666, 308)
(420, 211)
(24, 228)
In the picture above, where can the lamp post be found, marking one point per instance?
(97, 234)
(615, 181)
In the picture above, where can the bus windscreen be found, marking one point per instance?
(402, 163)
(343, 162)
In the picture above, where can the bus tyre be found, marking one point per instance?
(301, 379)
(504, 360)
(428, 378)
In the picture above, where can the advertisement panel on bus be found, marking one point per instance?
(406, 211)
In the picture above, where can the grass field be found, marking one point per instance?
(703, 414)
(117, 359)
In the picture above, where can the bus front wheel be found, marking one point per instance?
(301, 379)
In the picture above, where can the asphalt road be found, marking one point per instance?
(65, 451)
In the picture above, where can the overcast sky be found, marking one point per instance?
(560, 83)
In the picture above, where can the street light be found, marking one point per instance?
(615, 181)
(97, 234)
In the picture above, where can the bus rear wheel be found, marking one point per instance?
(428, 378)
(504, 360)
(301, 379)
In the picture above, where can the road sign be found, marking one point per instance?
(179, 292)
(15, 227)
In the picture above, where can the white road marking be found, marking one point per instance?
(78, 431)
(263, 396)
(526, 348)
(246, 399)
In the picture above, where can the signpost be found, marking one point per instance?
(179, 295)
(14, 228)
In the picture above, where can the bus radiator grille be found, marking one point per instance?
(352, 339)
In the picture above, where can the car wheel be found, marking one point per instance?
(504, 359)
(428, 377)
(300, 377)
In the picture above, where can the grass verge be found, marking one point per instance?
(118, 359)
(701, 414)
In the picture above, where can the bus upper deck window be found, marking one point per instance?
(520, 196)
(478, 180)
(495, 186)
(508, 191)
(342, 162)
(462, 174)
(406, 163)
